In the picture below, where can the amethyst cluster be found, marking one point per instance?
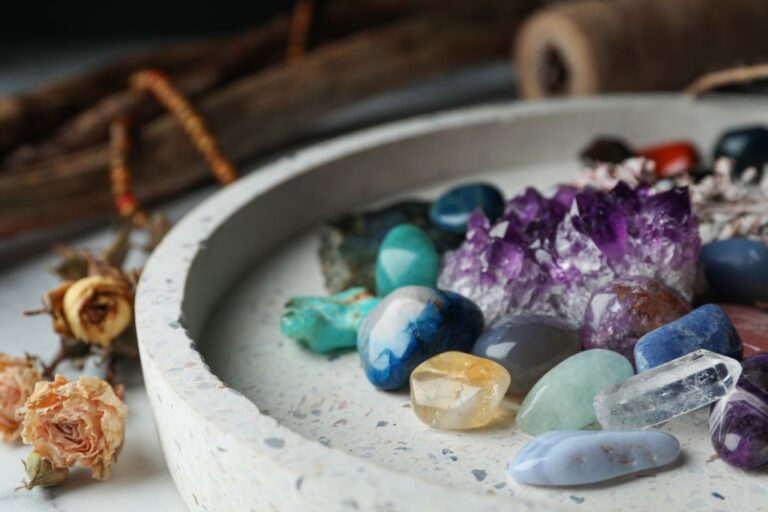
(547, 255)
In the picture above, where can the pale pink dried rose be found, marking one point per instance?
(71, 423)
(18, 376)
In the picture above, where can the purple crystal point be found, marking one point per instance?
(738, 423)
(548, 253)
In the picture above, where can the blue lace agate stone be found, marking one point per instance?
(578, 457)
(411, 325)
(452, 210)
(707, 327)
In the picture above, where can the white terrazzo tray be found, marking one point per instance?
(250, 421)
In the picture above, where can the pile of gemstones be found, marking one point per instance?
(631, 297)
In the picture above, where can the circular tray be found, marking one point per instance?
(250, 421)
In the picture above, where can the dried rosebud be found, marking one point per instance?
(79, 423)
(54, 304)
(42, 473)
(18, 376)
(98, 308)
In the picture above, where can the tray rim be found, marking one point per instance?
(165, 348)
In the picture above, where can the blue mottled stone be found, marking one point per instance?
(746, 145)
(707, 327)
(411, 325)
(736, 270)
(452, 210)
(578, 457)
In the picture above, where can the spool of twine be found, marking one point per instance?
(597, 46)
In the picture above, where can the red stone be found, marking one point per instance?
(672, 158)
(752, 326)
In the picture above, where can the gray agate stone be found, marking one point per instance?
(528, 346)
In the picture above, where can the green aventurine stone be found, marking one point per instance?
(406, 257)
(324, 324)
(562, 399)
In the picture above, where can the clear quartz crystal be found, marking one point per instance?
(667, 391)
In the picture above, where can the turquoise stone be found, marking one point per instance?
(406, 257)
(562, 399)
(324, 324)
(577, 457)
(452, 210)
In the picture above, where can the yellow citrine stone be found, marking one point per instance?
(457, 391)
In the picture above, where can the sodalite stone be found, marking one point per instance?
(577, 457)
(528, 346)
(406, 257)
(619, 313)
(411, 325)
(324, 324)
(706, 327)
(667, 391)
(736, 270)
(452, 210)
(738, 424)
(562, 399)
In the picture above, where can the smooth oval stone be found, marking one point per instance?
(457, 391)
(411, 325)
(577, 457)
(406, 257)
(528, 346)
(606, 150)
(706, 327)
(324, 324)
(619, 313)
(738, 424)
(736, 270)
(672, 158)
(452, 210)
(562, 399)
(747, 146)
(752, 326)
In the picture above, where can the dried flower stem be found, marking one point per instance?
(121, 178)
(49, 370)
(301, 23)
(160, 86)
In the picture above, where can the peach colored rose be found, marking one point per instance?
(18, 376)
(98, 308)
(72, 423)
(54, 303)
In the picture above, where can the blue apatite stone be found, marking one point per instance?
(452, 210)
(736, 270)
(411, 325)
(707, 327)
(746, 145)
(579, 457)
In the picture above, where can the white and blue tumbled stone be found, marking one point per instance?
(578, 457)
(706, 327)
(409, 326)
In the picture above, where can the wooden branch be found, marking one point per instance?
(262, 111)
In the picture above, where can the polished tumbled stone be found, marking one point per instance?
(452, 210)
(324, 324)
(528, 346)
(751, 324)
(457, 391)
(577, 457)
(562, 399)
(667, 391)
(411, 325)
(746, 145)
(706, 327)
(619, 313)
(736, 270)
(738, 424)
(406, 257)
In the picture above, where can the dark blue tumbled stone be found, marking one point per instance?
(411, 325)
(736, 270)
(452, 210)
(747, 146)
(707, 327)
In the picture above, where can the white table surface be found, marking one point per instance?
(140, 480)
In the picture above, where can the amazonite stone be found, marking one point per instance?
(324, 324)
(406, 257)
(578, 457)
(562, 399)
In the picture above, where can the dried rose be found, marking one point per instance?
(71, 423)
(18, 376)
(54, 304)
(42, 473)
(98, 308)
